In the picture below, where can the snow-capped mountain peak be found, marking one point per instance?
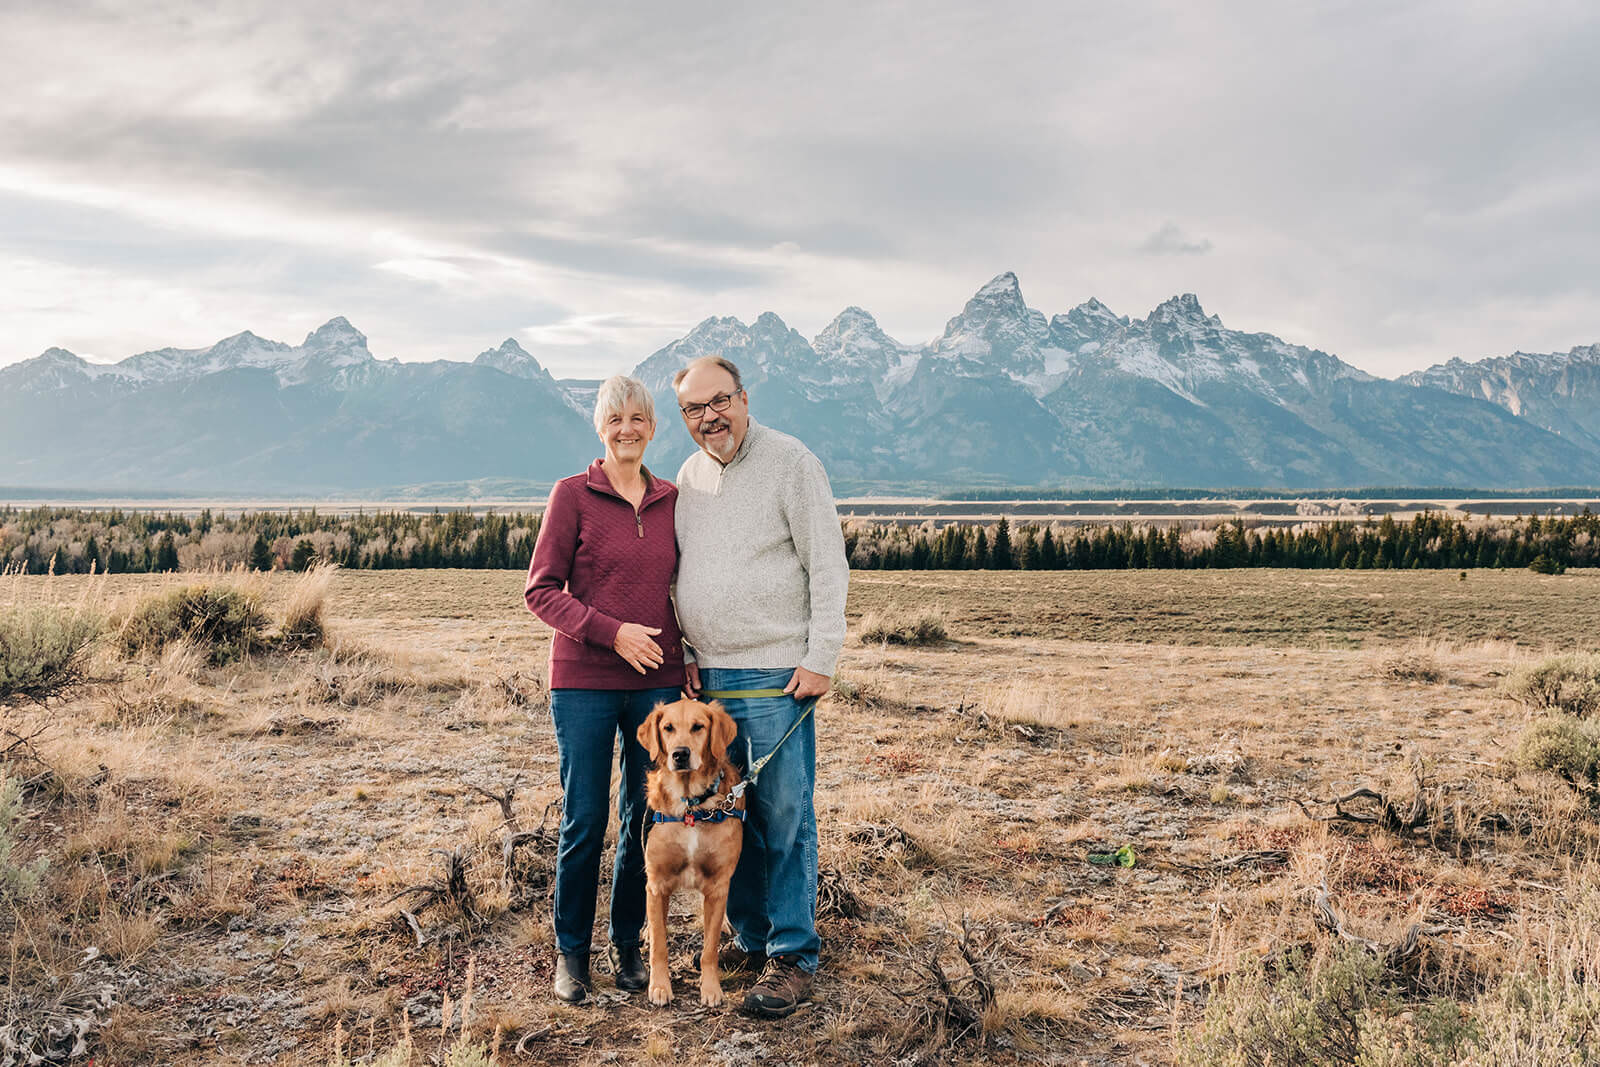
(854, 346)
(337, 337)
(998, 330)
(511, 358)
(50, 370)
(854, 337)
(1086, 327)
(1183, 312)
(1556, 390)
(60, 357)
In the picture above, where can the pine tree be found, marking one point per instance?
(980, 551)
(166, 554)
(304, 553)
(1031, 557)
(1000, 556)
(1049, 557)
(261, 554)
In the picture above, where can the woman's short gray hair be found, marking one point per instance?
(616, 393)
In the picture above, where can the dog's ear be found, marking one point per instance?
(723, 729)
(650, 732)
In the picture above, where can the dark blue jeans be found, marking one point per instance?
(587, 723)
(772, 900)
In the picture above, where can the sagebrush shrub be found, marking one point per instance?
(1411, 665)
(1340, 1011)
(925, 629)
(225, 620)
(1568, 683)
(17, 881)
(1562, 745)
(43, 651)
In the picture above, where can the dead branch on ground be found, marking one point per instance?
(949, 1008)
(504, 799)
(452, 889)
(1425, 815)
(837, 898)
(545, 836)
(1327, 919)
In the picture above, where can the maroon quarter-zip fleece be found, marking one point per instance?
(598, 564)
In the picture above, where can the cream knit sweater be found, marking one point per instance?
(762, 574)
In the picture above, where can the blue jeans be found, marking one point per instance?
(772, 900)
(587, 722)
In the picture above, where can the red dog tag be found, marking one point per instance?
(688, 818)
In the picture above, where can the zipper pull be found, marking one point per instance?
(639, 520)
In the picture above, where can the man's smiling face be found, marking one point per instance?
(706, 387)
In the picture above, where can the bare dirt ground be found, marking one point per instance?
(230, 840)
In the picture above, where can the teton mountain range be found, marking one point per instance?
(1005, 396)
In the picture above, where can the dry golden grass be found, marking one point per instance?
(239, 831)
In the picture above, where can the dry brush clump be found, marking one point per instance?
(226, 615)
(923, 628)
(1415, 661)
(1568, 683)
(303, 623)
(1565, 746)
(1333, 1008)
(18, 880)
(1350, 1002)
(109, 893)
(226, 619)
(44, 651)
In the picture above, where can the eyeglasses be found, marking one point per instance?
(718, 404)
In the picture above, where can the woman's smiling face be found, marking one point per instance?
(626, 432)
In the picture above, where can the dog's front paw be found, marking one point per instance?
(660, 993)
(711, 993)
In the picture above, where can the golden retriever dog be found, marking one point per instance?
(696, 827)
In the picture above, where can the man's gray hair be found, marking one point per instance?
(716, 361)
(616, 393)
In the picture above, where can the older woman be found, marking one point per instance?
(601, 578)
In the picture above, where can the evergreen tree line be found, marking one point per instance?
(74, 540)
(1427, 541)
(1371, 492)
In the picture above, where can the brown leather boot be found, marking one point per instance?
(780, 989)
(733, 960)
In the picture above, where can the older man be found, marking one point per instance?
(761, 588)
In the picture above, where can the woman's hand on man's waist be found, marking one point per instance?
(633, 643)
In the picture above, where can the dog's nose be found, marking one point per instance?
(680, 758)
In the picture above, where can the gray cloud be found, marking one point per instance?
(1171, 240)
(1395, 183)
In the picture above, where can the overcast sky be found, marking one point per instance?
(1396, 183)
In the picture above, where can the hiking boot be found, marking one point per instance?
(627, 967)
(731, 959)
(572, 976)
(779, 991)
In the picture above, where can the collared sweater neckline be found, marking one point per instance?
(654, 488)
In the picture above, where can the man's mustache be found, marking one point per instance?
(713, 426)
